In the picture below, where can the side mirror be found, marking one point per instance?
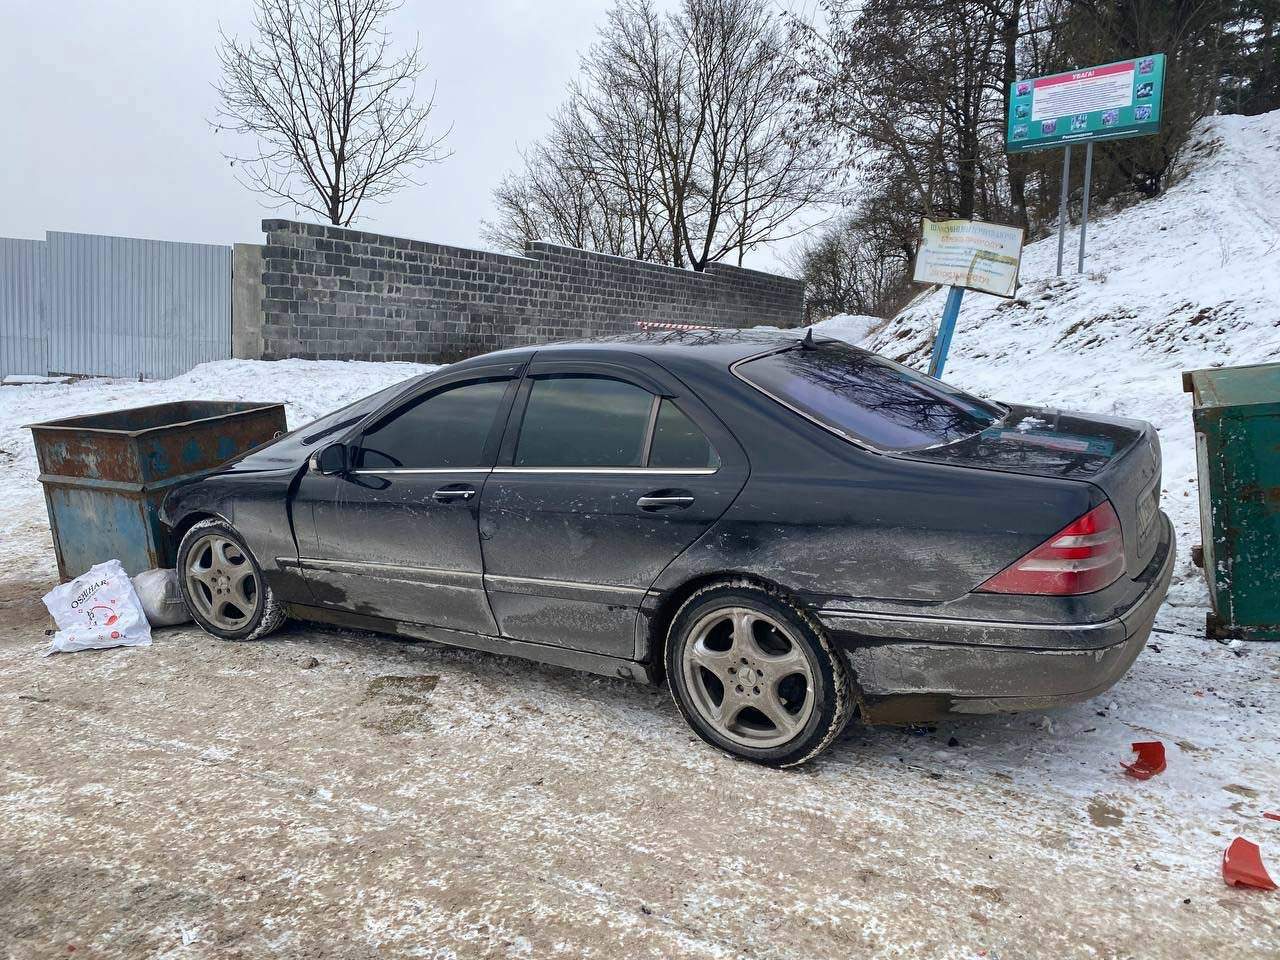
(330, 461)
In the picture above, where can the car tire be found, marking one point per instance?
(755, 675)
(222, 584)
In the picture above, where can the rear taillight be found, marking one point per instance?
(1081, 558)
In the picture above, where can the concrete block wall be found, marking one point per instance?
(247, 294)
(337, 293)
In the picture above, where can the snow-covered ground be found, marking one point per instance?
(542, 806)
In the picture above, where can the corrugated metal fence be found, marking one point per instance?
(80, 303)
(22, 307)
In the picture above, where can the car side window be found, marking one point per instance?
(677, 441)
(443, 430)
(583, 421)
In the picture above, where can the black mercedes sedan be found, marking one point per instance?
(786, 529)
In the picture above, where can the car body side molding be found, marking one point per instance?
(605, 666)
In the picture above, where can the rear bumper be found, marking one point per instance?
(912, 669)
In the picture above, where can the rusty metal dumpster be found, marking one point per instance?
(1237, 420)
(105, 474)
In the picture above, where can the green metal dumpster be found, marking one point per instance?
(1237, 419)
(105, 474)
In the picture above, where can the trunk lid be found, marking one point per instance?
(1120, 457)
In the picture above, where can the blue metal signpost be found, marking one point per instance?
(965, 255)
(943, 341)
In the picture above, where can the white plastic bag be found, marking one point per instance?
(160, 597)
(95, 610)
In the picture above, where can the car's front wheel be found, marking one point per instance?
(223, 585)
(753, 675)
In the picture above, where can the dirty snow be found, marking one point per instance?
(325, 793)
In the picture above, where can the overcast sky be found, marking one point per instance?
(107, 105)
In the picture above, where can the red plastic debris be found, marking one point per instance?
(1150, 760)
(1272, 816)
(1242, 866)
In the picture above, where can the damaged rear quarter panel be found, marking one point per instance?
(877, 527)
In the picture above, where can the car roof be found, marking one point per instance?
(710, 345)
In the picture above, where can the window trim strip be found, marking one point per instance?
(406, 471)
(649, 471)
(649, 430)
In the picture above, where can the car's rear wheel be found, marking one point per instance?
(754, 675)
(223, 585)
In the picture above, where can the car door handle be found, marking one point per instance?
(676, 501)
(453, 494)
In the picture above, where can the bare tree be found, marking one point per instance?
(557, 197)
(332, 113)
(676, 137)
(918, 82)
(854, 263)
(917, 93)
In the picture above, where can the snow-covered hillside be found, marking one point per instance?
(1188, 280)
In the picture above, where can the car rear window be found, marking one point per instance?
(867, 398)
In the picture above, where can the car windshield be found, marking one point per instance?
(867, 398)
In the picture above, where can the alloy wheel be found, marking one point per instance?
(221, 582)
(748, 677)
